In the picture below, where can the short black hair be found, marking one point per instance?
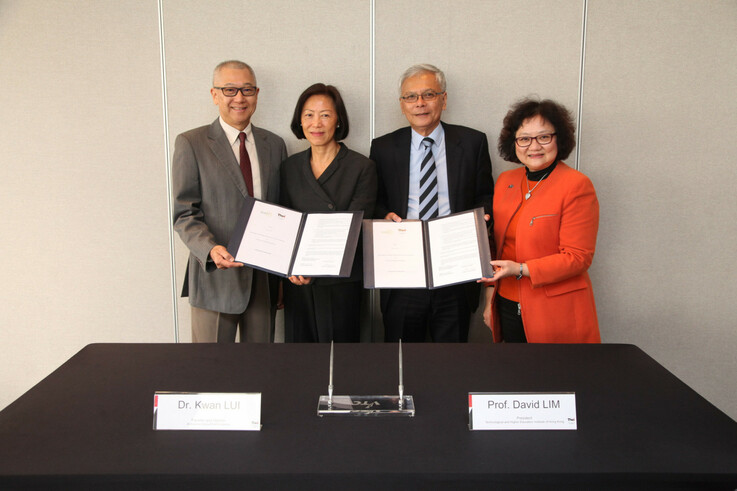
(341, 131)
(552, 112)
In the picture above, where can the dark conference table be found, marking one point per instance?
(88, 425)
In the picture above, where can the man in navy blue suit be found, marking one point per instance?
(426, 170)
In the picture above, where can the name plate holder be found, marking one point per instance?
(371, 405)
(522, 411)
(207, 411)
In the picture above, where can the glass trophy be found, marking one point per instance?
(386, 405)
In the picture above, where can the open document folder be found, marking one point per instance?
(426, 254)
(290, 243)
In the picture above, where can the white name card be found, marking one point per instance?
(207, 411)
(522, 411)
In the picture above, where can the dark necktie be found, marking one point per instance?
(428, 183)
(246, 164)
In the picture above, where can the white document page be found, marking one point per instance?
(454, 250)
(269, 238)
(322, 245)
(399, 259)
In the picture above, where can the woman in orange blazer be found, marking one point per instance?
(546, 217)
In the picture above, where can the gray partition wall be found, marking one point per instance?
(659, 105)
(84, 253)
(94, 93)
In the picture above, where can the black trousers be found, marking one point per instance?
(413, 316)
(320, 314)
(510, 321)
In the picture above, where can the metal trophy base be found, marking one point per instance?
(366, 406)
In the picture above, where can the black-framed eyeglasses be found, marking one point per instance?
(526, 141)
(248, 90)
(427, 96)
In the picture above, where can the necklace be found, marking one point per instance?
(529, 191)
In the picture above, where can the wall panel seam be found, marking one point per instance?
(373, 300)
(581, 73)
(167, 166)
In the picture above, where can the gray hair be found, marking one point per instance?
(235, 64)
(423, 68)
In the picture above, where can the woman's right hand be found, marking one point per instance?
(504, 268)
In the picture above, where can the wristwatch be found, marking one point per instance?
(519, 276)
